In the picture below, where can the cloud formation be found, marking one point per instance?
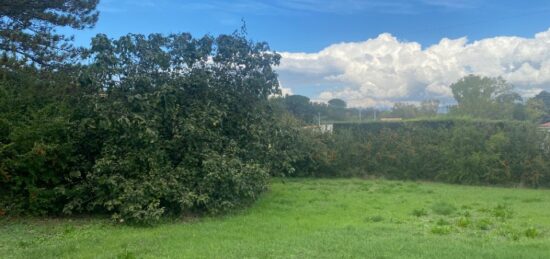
(384, 70)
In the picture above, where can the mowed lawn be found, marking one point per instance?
(306, 218)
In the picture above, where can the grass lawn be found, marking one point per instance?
(307, 218)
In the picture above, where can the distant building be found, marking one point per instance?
(391, 119)
(545, 126)
(326, 128)
(323, 128)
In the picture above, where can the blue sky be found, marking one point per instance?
(310, 26)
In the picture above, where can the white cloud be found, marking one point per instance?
(384, 70)
(285, 90)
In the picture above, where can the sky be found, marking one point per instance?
(369, 52)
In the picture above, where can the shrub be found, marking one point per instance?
(126, 135)
(229, 183)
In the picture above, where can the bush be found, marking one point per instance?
(125, 135)
(228, 183)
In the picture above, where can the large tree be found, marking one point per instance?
(300, 106)
(151, 125)
(337, 103)
(484, 97)
(28, 28)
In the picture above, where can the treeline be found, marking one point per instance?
(309, 112)
(475, 96)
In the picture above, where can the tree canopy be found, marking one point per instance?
(337, 103)
(28, 28)
(145, 126)
(484, 97)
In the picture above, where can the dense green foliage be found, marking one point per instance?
(456, 151)
(151, 126)
(316, 218)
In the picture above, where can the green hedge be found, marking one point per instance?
(451, 150)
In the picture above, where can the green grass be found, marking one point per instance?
(307, 218)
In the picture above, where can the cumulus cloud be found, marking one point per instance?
(285, 90)
(384, 70)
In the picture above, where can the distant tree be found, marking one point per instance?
(429, 108)
(484, 97)
(28, 28)
(539, 107)
(300, 106)
(337, 103)
(534, 110)
(404, 110)
(544, 97)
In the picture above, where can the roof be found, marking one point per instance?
(545, 125)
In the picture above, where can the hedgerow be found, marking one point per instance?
(452, 150)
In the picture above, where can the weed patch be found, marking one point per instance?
(442, 222)
(510, 233)
(420, 212)
(531, 232)
(463, 222)
(484, 224)
(443, 208)
(376, 218)
(502, 212)
(441, 230)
